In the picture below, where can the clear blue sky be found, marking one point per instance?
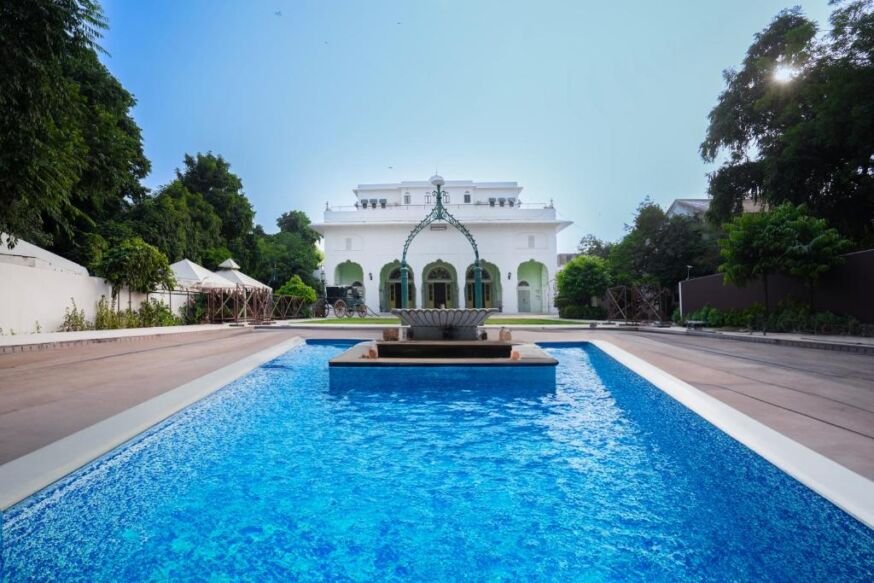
(592, 104)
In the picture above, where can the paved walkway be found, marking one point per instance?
(823, 399)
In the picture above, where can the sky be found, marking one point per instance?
(594, 105)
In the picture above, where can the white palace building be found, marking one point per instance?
(364, 242)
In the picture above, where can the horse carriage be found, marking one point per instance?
(343, 300)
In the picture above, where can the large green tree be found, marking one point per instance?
(661, 249)
(180, 223)
(70, 153)
(210, 176)
(291, 251)
(795, 122)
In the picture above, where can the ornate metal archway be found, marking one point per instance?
(439, 213)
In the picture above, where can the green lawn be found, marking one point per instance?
(494, 321)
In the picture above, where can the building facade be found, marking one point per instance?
(364, 243)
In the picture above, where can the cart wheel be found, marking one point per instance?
(340, 308)
(361, 310)
(320, 309)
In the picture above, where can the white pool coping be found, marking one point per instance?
(31, 473)
(845, 488)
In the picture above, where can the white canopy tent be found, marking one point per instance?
(193, 277)
(229, 270)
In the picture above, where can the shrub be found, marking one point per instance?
(74, 319)
(195, 312)
(156, 313)
(295, 287)
(787, 317)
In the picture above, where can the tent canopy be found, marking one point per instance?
(229, 270)
(191, 276)
(240, 278)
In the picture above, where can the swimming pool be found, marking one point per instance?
(277, 476)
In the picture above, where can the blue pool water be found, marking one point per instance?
(278, 477)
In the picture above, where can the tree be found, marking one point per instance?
(755, 247)
(211, 176)
(291, 251)
(592, 245)
(71, 156)
(806, 140)
(296, 288)
(581, 279)
(816, 249)
(138, 266)
(659, 249)
(180, 223)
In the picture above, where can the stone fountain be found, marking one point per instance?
(443, 324)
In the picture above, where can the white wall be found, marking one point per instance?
(30, 296)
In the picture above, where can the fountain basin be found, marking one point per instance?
(443, 324)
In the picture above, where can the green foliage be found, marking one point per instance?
(790, 317)
(581, 279)
(816, 248)
(196, 310)
(156, 313)
(592, 245)
(179, 222)
(71, 155)
(211, 177)
(295, 287)
(785, 240)
(136, 265)
(658, 249)
(74, 319)
(288, 253)
(152, 313)
(807, 140)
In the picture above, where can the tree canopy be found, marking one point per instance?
(661, 249)
(296, 288)
(583, 277)
(135, 264)
(72, 161)
(785, 240)
(71, 155)
(795, 123)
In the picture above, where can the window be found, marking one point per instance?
(348, 243)
(407, 198)
(439, 273)
(467, 197)
(446, 197)
(531, 241)
(427, 199)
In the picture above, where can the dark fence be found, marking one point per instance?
(847, 290)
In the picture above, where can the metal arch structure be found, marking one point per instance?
(439, 213)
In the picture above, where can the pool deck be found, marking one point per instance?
(820, 398)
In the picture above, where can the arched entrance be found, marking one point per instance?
(390, 288)
(531, 291)
(491, 282)
(441, 286)
(348, 273)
